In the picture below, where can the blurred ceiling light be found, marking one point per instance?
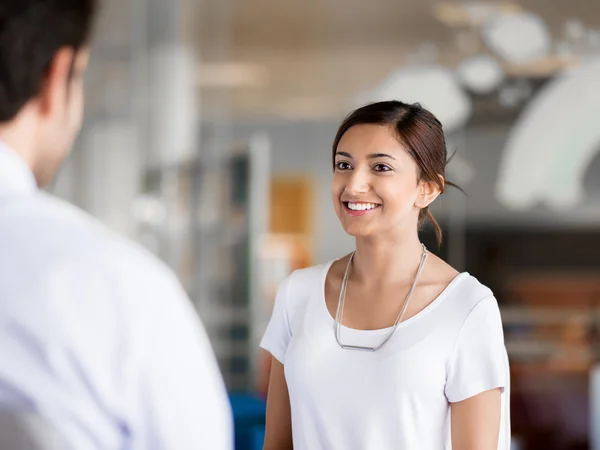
(435, 87)
(553, 142)
(518, 38)
(574, 30)
(232, 75)
(481, 74)
(472, 14)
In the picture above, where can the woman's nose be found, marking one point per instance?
(358, 183)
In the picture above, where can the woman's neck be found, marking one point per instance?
(387, 258)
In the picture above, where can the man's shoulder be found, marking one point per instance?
(62, 231)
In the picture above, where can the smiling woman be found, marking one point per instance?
(401, 132)
(388, 347)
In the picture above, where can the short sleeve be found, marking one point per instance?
(479, 361)
(278, 333)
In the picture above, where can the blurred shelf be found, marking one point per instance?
(524, 315)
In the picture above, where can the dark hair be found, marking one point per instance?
(419, 131)
(31, 33)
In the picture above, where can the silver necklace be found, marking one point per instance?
(342, 300)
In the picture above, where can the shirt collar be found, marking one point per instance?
(15, 174)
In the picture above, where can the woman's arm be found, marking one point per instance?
(476, 422)
(279, 418)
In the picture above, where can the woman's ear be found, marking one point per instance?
(428, 192)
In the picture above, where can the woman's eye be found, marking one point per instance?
(342, 165)
(382, 168)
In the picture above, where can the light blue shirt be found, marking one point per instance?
(97, 336)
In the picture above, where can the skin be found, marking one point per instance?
(44, 130)
(372, 166)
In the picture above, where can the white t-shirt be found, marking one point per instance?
(398, 397)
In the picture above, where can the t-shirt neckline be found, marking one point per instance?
(404, 323)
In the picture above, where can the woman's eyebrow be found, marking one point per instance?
(371, 156)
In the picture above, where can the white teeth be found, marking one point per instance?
(361, 206)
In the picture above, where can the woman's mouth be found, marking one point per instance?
(360, 208)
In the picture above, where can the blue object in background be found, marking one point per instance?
(258, 437)
(249, 412)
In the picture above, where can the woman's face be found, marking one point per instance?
(375, 184)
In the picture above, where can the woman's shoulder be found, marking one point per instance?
(301, 288)
(309, 276)
(467, 292)
(461, 284)
(459, 292)
(439, 271)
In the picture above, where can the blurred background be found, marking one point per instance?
(208, 140)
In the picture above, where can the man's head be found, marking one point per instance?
(43, 56)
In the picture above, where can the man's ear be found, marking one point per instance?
(54, 89)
